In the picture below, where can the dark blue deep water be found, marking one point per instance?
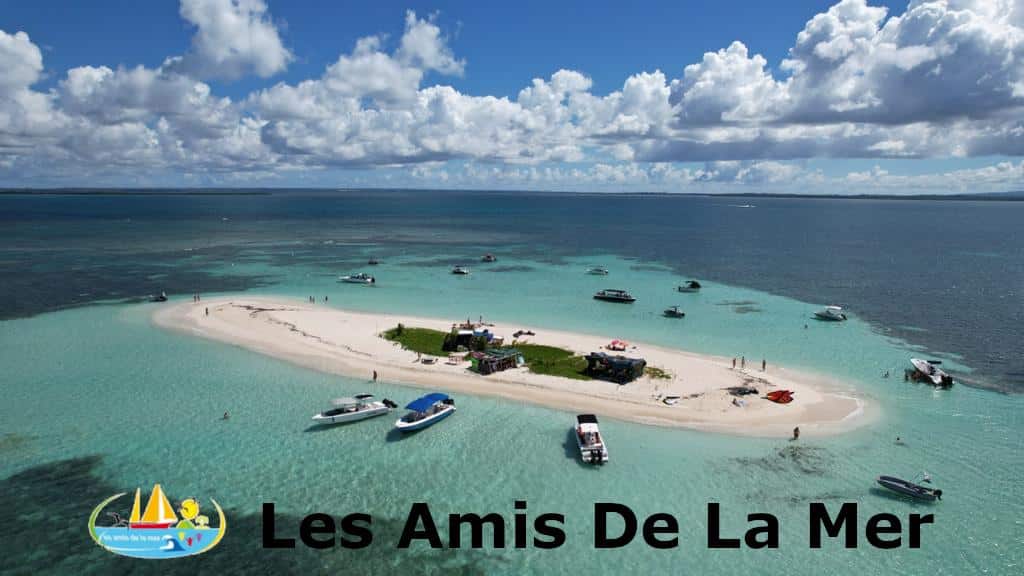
(945, 275)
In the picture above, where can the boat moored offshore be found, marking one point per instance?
(426, 411)
(689, 286)
(360, 278)
(831, 313)
(358, 407)
(460, 270)
(589, 440)
(598, 271)
(674, 312)
(614, 295)
(929, 371)
(911, 489)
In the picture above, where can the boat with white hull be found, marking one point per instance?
(359, 278)
(831, 313)
(589, 440)
(358, 407)
(426, 411)
(928, 371)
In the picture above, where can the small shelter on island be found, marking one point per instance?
(621, 369)
(495, 360)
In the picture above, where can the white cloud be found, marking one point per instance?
(945, 78)
(233, 38)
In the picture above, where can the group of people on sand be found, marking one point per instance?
(743, 364)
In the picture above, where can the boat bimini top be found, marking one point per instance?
(423, 403)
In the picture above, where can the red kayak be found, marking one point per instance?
(780, 396)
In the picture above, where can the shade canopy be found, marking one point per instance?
(422, 403)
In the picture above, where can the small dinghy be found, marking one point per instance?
(426, 411)
(908, 488)
(598, 271)
(489, 258)
(780, 396)
(161, 297)
(460, 271)
(671, 400)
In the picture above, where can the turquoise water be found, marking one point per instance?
(98, 401)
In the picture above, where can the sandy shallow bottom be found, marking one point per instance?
(349, 343)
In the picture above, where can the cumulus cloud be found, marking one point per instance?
(233, 38)
(944, 78)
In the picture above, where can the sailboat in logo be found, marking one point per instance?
(158, 514)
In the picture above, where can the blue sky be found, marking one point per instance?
(762, 106)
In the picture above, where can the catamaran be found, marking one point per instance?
(589, 440)
(426, 411)
(158, 513)
(359, 278)
(358, 407)
(831, 313)
(613, 295)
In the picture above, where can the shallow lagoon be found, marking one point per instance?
(97, 399)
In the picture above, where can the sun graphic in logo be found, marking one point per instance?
(156, 531)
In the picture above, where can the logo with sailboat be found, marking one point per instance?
(158, 530)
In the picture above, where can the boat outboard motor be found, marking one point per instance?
(938, 494)
(389, 403)
(947, 380)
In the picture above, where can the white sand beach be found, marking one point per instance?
(336, 341)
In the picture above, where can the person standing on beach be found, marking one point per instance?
(374, 375)
(207, 311)
(743, 362)
(764, 364)
(796, 433)
(734, 363)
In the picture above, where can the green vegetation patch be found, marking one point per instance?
(539, 359)
(657, 373)
(422, 340)
(554, 361)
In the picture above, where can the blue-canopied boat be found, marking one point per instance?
(426, 411)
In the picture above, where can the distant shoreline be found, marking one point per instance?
(1012, 196)
(336, 341)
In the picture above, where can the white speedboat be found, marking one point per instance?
(359, 278)
(358, 407)
(598, 271)
(928, 371)
(426, 411)
(589, 440)
(460, 270)
(831, 313)
(689, 286)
